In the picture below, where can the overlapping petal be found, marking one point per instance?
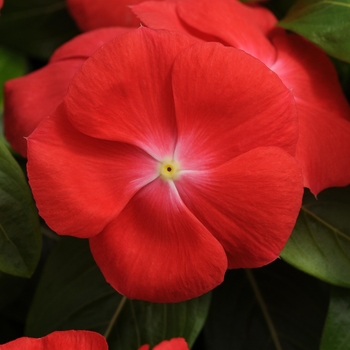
(310, 74)
(163, 15)
(172, 344)
(159, 15)
(232, 23)
(323, 149)
(222, 113)
(31, 98)
(67, 340)
(249, 203)
(156, 250)
(91, 14)
(241, 26)
(84, 45)
(132, 91)
(302, 67)
(324, 113)
(81, 183)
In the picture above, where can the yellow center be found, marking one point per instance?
(169, 169)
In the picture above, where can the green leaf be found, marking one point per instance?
(272, 308)
(320, 242)
(336, 335)
(73, 294)
(20, 237)
(278, 7)
(35, 27)
(12, 65)
(326, 23)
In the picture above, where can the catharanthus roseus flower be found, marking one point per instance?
(31, 98)
(81, 340)
(92, 14)
(61, 340)
(324, 114)
(175, 159)
(172, 344)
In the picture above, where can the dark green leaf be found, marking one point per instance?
(73, 294)
(11, 65)
(272, 308)
(326, 23)
(278, 7)
(35, 27)
(320, 243)
(20, 237)
(336, 335)
(10, 288)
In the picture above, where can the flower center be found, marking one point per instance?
(169, 169)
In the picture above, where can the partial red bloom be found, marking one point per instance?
(324, 114)
(67, 340)
(92, 14)
(172, 344)
(1, 3)
(174, 159)
(31, 98)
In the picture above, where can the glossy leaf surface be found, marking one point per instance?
(326, 23)
(11, 65)
(20, 237)
(336, 334)
(275, 307)
(73, 294)
(35, 27)
(320, 243)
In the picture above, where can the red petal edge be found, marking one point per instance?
(156, 250)
(67, 340)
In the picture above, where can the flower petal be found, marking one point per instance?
(238, 25)
(172, 344)
(227, 103)
(81, 183)
(323, 149)
(67, 340)
(124, 90)
(31, 98)
(309, 73)
(159, 15)
(324, 114)
(157, 251)
(163, 15)
(250, 203)
(92, 14)
(86, 44)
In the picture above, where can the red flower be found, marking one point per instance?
(67, 340)
(172, 158)
(1, 3)
(92, 14)
(172, 344)
(31, 98)
(81, 340)
(324, 114)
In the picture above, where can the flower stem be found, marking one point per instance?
(115, 316)
(264, 310)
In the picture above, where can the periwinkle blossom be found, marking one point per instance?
(324, 114)
(31, 98)
(81, 340)
(175, 159)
